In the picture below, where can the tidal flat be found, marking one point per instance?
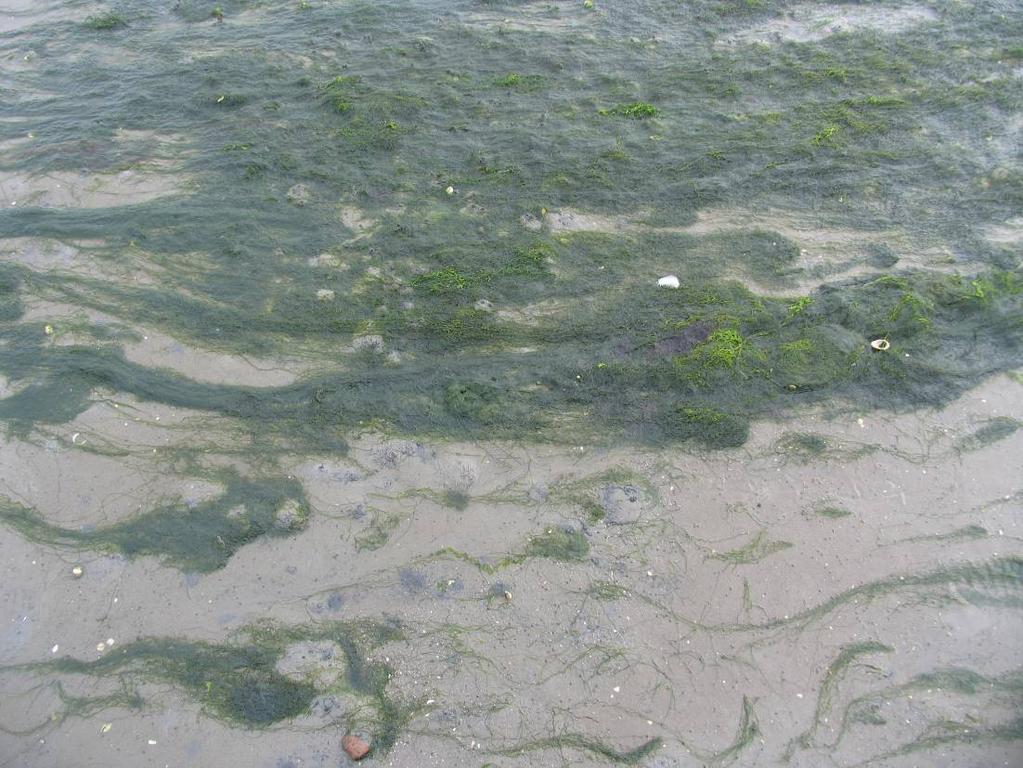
(511, 383)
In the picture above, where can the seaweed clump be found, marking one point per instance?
(240, 682)
(992, 431)
(200, 537)
(594, 747)
(706, 426)
(557, 543)
(10, 300)
(104, 21)
(636, 110)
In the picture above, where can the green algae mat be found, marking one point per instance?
(458, 213)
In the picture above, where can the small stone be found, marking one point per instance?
(325, 294)
(298, 195)
(354, 746)
(483, 306)
(669, 281)
(449, 191)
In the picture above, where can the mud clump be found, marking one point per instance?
(622, 504)
(684, 341)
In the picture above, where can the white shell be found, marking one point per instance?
(880, 345)
(669, 281)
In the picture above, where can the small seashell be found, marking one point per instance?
(669, 281)
(77, 572)
(880, 345)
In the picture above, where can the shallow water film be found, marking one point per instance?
(511, 383)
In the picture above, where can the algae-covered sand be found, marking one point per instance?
(338, 394)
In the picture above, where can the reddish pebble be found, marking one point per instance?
(356, 746)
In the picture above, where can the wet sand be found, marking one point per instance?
(732, 583)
